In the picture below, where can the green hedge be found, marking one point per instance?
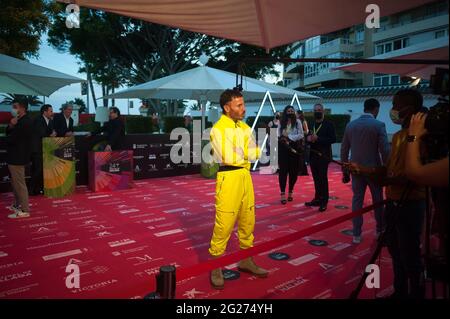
(88, 127)
(172, 122)
(339, 120)
(3, 129)
(137, 124)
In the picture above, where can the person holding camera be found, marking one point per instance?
(290, 139)
(434, 174)
(405, 206)
(366, 139)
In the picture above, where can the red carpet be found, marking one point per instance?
(119, 240)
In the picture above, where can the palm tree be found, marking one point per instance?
(31, 99)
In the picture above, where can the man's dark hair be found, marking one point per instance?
(115, 110)
(65, 106)
(410, 97)
(227, 96)
(23, 102)
(45, 107)
(371, 104)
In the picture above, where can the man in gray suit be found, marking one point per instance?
(366, 140)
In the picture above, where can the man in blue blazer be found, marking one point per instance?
(365, 140)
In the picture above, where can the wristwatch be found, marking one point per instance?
(411, 138)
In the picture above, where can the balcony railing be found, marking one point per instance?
(329, 44)
(403, 23)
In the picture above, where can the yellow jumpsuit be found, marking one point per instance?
(233, 145)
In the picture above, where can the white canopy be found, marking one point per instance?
(21, 77)
(436, 49)
(205, 84)
(264, 23)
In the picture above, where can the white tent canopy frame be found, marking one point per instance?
(204, 84)
(268, 96)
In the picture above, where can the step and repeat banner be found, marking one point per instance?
(151, 158)
(59, 166)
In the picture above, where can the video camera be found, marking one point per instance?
(436, 122)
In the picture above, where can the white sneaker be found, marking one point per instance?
(357, 239)
(19, 214)
(13, 207)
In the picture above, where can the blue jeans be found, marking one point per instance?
(359, 185)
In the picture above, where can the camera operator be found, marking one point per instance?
(406, 201)
(433, 174)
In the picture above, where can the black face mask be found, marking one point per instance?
(277, 117)
(293, 117)
(318, 115)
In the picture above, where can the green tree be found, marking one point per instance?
(80, 102)
(120, 51)
(22, 22)
(31, 99)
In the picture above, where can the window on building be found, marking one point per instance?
(441, 33)
(395, 79)
(379, 49)
(359, 37)
(388, 47)
(385, 79)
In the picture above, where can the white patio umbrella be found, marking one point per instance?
(203, 83)
(264, 23)
(436, 49)
(21, 77)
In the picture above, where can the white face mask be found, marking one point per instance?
(14, 112)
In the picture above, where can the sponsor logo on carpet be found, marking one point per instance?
(10, 265)
(324, 294)
(95, 286)
(303, 259)
(192, 294)
(18, 290)
(168, 232)
(3, 254)
(291, 284)
(144, 259)
(98, 196)
(16, 276)
(121, 242)
(176, 210)
(43, 224)
(62, 254)
(340, 246)
(128, 211)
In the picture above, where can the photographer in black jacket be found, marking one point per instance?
(114, 131)
(42, 127)
(322, 135)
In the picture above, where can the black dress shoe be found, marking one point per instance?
(323, 207)
(314, 202)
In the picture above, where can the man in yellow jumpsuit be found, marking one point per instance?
(234, 148)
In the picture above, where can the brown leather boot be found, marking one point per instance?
(248, 265)
(217, 279)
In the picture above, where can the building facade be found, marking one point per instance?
(398, 31)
